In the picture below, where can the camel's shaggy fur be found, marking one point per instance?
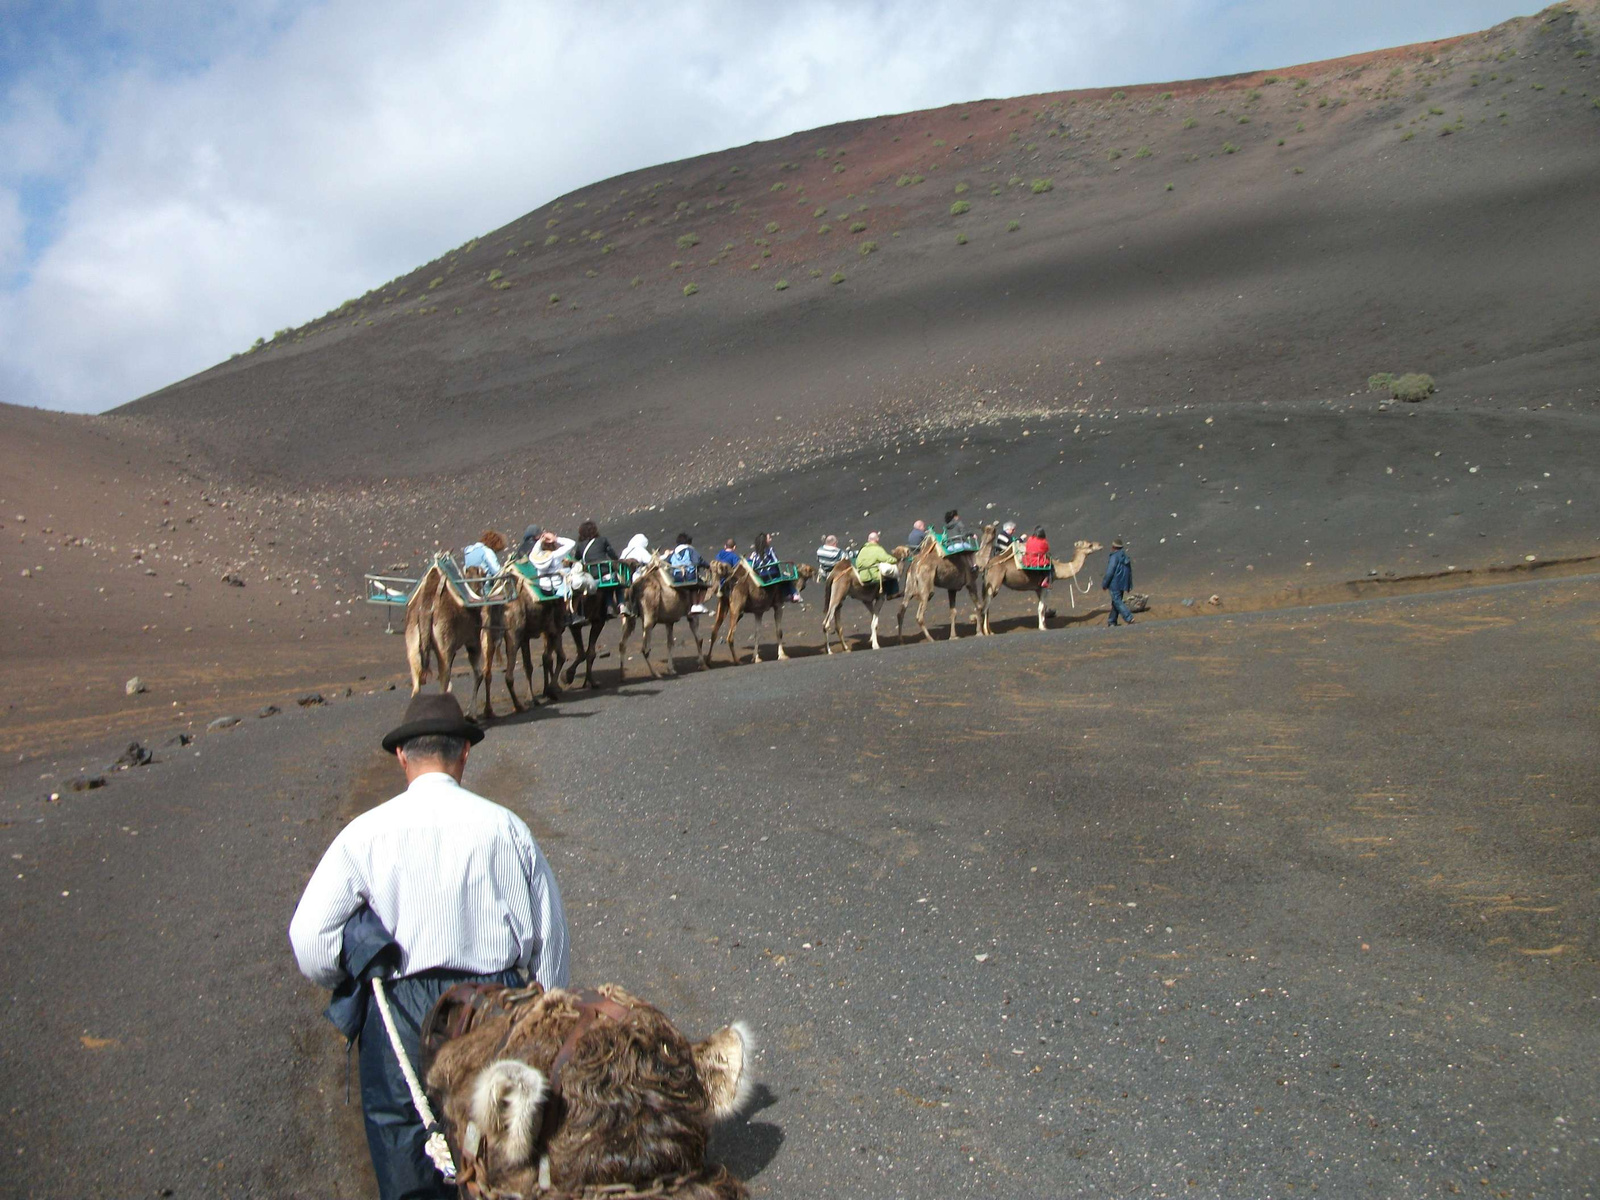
(638, 1100)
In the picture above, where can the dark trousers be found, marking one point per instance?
(395, 1134)
(1118, 608)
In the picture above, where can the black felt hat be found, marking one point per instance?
(432, 713)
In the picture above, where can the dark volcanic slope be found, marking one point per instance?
(1258, 237)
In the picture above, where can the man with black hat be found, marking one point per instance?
(1119, 579)
(459, 885)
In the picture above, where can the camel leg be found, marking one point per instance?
(716, 628)
(644, 647)
(509, 650)
(672, 667)
(554, 659)
(481, 678)
(830, 625)
(1041, 610)
(953, 633)
(595, 630)
(733, 624)
(777, 628)
(447, 667)
(755, 642)
(414, 656)
(694, 629)
(873, 609)
(527, 667)
(577, 654)
(622, 647)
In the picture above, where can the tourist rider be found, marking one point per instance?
(954, 530)
(729, 554)
(1118, 580)
(686, 564)
(637, 550)
(765, 561)
(530, 539)
(1036, 553)
(919, 530)
(485, 552)
(828, 556)
(870, 561)
(446, 886)
(591, 549)
(1007, 535)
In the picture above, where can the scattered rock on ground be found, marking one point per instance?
(270, 710)
(180, 739)
(311, 700)
(232, 580)
(222, 723)
(1215, 599)
(1188, 601)
(136, 755)
(134, 686)
(87, 783)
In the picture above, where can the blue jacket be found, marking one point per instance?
(368, 950)
(1119, 572)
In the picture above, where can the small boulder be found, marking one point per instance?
(270, 710)
(180, 739)
(232, 580)
(136, 755)
(222, 723)
(311, 700)
(134, 686)
(87, 783)
(1215, 600)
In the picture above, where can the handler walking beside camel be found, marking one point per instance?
(462, 893)
(1119, 579)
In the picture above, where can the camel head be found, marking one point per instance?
(637, 1099)
(1084, 547)
(806, 572)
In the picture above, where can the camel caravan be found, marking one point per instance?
(498, 603)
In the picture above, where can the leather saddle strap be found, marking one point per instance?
(591, 1007)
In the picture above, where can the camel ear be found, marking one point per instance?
(722, 1062)
(506, 1099)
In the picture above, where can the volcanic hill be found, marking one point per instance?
(1149, 311)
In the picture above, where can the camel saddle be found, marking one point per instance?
(1024, 565)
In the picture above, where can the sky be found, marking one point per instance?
(180, 177)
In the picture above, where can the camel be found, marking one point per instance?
(745, 594)
(439, 625)
(654, 601)
(844, 583)
(1002, 571)
(930, 571)
(565, 1093)
(528, 615)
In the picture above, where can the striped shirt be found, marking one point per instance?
(827, 558)
(458, 881)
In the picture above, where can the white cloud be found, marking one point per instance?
(353, 141)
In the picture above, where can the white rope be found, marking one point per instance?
(438, 1148)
